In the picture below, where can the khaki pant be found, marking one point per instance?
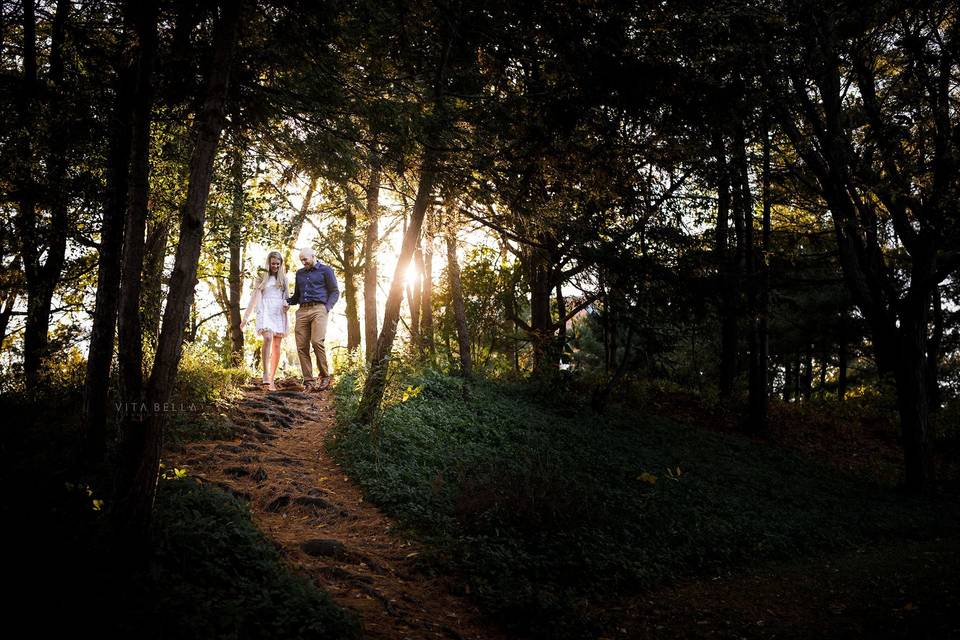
(310, 330)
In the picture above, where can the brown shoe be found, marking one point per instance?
(324, 383)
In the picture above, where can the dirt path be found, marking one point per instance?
(302, 500)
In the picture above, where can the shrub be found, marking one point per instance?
(204, 391)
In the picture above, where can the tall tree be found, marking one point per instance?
(235, 242)
(377, 376)
(141, 443)
(296, 225)
(370, 259)
(426, 300)
(726, 268)
(758, 397)
(133, 69)
(37, 239)
(456, 300)
(350, 276)
(444, 59)
(875, 172)
(130, 329)
(415, 296)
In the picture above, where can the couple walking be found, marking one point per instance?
(315, 291)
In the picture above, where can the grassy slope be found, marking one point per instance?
(544, 507)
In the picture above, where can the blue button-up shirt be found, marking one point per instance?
(317, 284)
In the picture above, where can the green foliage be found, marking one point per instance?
(543, 506)
(202, 378)
(217, 577)
(205, 388)
(61, 378)
(487, 277)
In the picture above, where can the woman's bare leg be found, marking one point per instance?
(274, 359)
(267, 342)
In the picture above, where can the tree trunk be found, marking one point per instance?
(598, 401)
(141, 445)
(377, 377)
(446, 327)
(787, 377)
(370, 261)
(221, 296)
(130, 331)
(426, 305)
(538, 268)
(743, 233)
(414, 297)
(459, 310)
(9, 300)
(151, 287)
(759, 394)
(41, 277)
(808, 370)
(296, 225)
(561, 314)
(513, 313)
(913, 403)
(727, 309)
(26, 220)
(193, 320)
(842, 358)
(933, 351)
(797, 377)
(56, 186)
(100, 354)
(764, 301)
(350, 278)
(607, 326)
(236, 245)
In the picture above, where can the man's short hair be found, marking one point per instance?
(306, 252)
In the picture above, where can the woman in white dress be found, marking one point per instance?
(270, 301)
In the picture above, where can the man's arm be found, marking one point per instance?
(295, 298)
(333, 291)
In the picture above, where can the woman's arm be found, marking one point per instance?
(254, 301)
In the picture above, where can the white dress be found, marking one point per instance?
(270, 312)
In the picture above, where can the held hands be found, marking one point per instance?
(285, 305)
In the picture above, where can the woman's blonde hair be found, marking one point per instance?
(281, 273)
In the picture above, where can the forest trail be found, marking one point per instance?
(319, 520)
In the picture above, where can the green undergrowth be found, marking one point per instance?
(546, 508)
(204, 390)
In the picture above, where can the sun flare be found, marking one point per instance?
(411, 275)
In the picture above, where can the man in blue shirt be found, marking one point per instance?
(316, 292)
